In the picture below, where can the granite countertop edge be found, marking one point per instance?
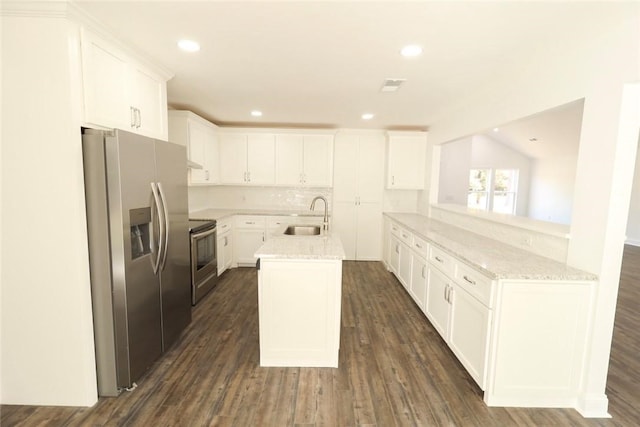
(219, 214)
(492, 258)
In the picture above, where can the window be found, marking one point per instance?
(493, 190)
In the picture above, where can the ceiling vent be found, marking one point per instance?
(392, 85)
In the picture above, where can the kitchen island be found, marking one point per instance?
(299, 300)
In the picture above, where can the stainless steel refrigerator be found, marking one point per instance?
(137, 218)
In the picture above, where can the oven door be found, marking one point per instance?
(204, 260)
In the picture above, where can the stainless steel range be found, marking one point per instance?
(204, 259)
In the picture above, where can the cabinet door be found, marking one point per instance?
(233, 158)
(246, 243)
(198, 140)
(371, 168)
(345, 169)
(344, 222)
(261, 159)
(150, 98)
(469, 333)
(406, 162)
(404, 272)
(105, 80)
(368, 231)
(289, 155)
(418, 288)
(225, 252)
(437, 305)
(317, 156)
(394, 254)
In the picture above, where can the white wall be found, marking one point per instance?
(596, 59)
(455, 162)
(552, 187)
(633, 224)
(46, 348)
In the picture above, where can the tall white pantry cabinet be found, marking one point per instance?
(357, 193)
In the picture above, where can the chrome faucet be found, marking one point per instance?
(325, 223)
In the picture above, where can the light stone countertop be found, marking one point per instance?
(326, 246)
(490, 257)
(218, 214)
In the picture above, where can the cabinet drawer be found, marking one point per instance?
(442, 260)
(395, 229)
(279, 221)
(224, 225)
(420, 246)
(244, 221)
(477, 284)
(406, 237)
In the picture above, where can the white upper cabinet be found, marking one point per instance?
(119, 92)
(304, 160)
(247, 158)
(201, 139)
(406, 159)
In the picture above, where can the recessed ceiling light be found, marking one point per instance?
(189, 45)
(367, 116)
(256, 113)
(411, 50)
(496, 129)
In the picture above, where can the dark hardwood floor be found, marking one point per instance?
(394, 370)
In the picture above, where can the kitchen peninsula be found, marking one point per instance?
(299, 299)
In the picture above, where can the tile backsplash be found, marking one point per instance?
(268, 198)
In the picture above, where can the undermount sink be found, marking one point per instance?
(302, 230)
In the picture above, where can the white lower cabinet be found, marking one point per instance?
(469, 333)
(224, 247)
(522, 341)
(249, 235)
(437, 307)
(404, 270)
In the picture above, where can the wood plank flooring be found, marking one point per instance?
(394, 370)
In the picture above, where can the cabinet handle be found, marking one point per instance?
(132, 116)
(397, 249)
(248, 176)
(423, 275)
(438, 258)
(225, 241)
(206, 175)
(473, 282)
(446, 291)
(138, 118)
(418, 245)
(405, 236)
(393, 180)
(249, 222)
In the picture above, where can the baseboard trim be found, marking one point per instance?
(594, 406)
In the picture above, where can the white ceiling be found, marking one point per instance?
(322, 64)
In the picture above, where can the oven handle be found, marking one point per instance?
(165, 210)
(206, 233)
(156, 263)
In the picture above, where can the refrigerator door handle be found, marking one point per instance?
(165, 210)
(155, 263)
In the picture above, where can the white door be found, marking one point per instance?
(369, 231)
(371, 169)
(105, 74)
(246, 243)
(469, 336)
(419, 281)
(261, 159)
(344, 223)
(404, 272)
(289, 159)
(151, 101)
(197, 152)
(233, 158)
(317, 160)
(437, 306)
